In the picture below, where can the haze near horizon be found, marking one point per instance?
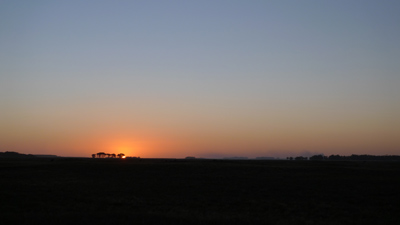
(200, 78)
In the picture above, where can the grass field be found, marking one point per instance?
(162, 191)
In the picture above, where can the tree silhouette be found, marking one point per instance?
(101, 154)
(300, 158)
(107, 155)
(317, 157)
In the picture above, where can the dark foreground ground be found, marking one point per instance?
(101, 191)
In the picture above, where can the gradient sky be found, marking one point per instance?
(200, 78)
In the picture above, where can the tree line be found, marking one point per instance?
(349, 158)
(107, 155)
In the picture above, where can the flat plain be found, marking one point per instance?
(169, 191)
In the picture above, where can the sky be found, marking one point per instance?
(209, 79)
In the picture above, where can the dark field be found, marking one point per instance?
(149, 191)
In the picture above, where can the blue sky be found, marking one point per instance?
(264, 73)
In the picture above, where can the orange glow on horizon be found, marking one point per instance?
(203, 143)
